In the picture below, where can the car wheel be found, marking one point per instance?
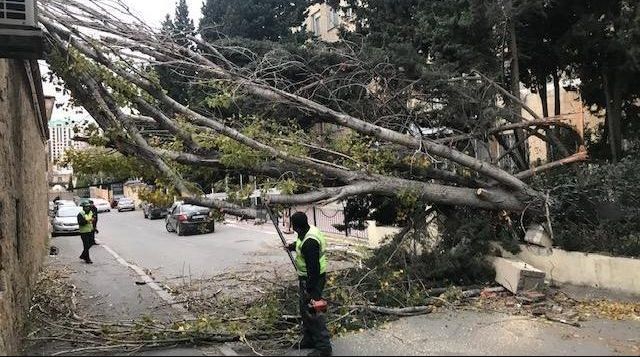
(179, 230)
(54, 234)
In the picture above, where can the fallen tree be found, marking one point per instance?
(106, 57)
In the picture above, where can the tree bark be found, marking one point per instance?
(544, 99)
(613, 97)
(523, 163)
(556, 93)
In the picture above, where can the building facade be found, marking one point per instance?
(61, 134)
(572, 111)
(325, 22)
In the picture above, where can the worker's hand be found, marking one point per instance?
(291, 247)
(97, 231)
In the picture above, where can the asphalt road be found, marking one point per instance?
(147, 244)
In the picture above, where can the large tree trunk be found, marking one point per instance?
(515, 81)
(613, 95)
(556, 93)
(544, 100)
(542, 92)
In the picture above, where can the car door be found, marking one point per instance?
(172, 217)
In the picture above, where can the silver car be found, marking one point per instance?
(126, 204)
(65, 221)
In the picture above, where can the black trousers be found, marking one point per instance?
(314, 325)
(88, 239)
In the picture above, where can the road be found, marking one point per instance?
(147, 244)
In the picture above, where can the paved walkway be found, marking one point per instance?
(468, 333)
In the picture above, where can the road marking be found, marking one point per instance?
(162, 294)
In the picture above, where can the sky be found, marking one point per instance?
(153, 12)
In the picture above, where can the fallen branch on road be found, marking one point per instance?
(407, 311)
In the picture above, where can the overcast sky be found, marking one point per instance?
(152, 11)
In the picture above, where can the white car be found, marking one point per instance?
(66, 220)
(126, 204)
(101, 204)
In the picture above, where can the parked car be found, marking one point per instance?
(152, 211)
(66, 203)
(82, 201)
(53, 206)
(185, 218)
(65, 220)
(114, 201)
(126, 204)
(101, 204)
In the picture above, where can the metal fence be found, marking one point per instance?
(328, 220)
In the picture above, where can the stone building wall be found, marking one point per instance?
(23, 194)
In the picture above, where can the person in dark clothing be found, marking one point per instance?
(94, 210)
(311, 264)
(85, 220)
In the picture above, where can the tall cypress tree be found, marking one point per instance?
(176, 80)
(253, 19)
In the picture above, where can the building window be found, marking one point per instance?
(349, 13)
(316, 25)
(334, 19)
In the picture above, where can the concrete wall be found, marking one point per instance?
(97, 192)
(23, 199)
(594, 270)
(132, 191)
(377, 234)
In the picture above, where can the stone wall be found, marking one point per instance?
(576, 268)
(23, 197)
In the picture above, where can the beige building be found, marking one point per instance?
(325, 22)
(572, 112)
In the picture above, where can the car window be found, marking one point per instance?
(67, 211)
(191, 209)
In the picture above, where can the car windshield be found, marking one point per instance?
(100, 202)
(65, 203)
(125, 200)
(191, 209)
(69, 211)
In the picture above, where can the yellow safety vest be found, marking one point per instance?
(87, 228)
(301, 264)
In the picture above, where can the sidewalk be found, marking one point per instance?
(477, 333)
(112, 290)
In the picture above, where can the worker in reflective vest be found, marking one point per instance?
(311, 264)
(85, 220)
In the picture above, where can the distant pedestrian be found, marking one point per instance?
(94, 210)
(85, 220)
